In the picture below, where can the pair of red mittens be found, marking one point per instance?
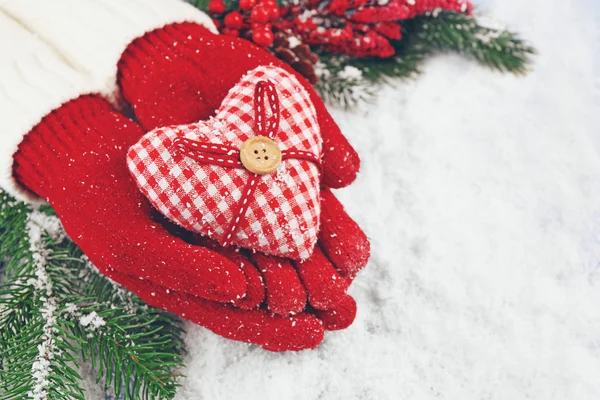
(75, 158)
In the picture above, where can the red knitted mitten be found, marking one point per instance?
(180, 74)
(257, 326)
(75, 158)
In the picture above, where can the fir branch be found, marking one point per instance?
(38, 362)
(492, 46)
(145, 342)
(13, 218)
(405, 64)
(341, 83)
(134, 348)
(141, 351)
(349, 91)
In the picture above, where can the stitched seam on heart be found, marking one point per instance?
(250, 188)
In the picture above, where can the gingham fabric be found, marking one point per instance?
(282, 217)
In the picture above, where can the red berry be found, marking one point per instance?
(263, 37)
(268, 3)
(260, 14)
(216, 6)
(247, 4)
(274, 12)
(261, 27)
(231, 32)
(234, 20)
(403, 12)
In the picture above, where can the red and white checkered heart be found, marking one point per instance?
(193, 174)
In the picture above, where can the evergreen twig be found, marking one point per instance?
(495, 47)
(51, 295)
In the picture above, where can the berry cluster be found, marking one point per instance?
(253, 20)
(357, 28)
(262, 22)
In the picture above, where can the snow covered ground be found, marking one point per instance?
(481, 195)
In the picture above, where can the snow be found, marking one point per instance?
(92, 320)
(480, 192)
(41, 367)
(350, 72)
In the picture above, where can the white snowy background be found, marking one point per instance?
(480, 192)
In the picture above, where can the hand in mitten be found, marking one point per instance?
(180, 74)
(75, 157)
(79, 168)
(83, 175)
(69, 158)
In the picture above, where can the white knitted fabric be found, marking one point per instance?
(54, 51)
(33, 81)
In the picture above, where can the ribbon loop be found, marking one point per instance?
(209, 153)
(265, 125)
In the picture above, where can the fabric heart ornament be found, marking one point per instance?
(249, 176)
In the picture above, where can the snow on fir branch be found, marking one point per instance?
(56, 310)
(42, 366)
(345, 85)
(36, 357)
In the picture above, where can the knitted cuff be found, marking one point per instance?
(77, 134)
(33, 81)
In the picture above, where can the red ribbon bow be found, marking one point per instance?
(225, 155)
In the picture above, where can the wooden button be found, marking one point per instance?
(260, 155)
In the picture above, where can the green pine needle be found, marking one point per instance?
(497, 48)
(135, 349)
